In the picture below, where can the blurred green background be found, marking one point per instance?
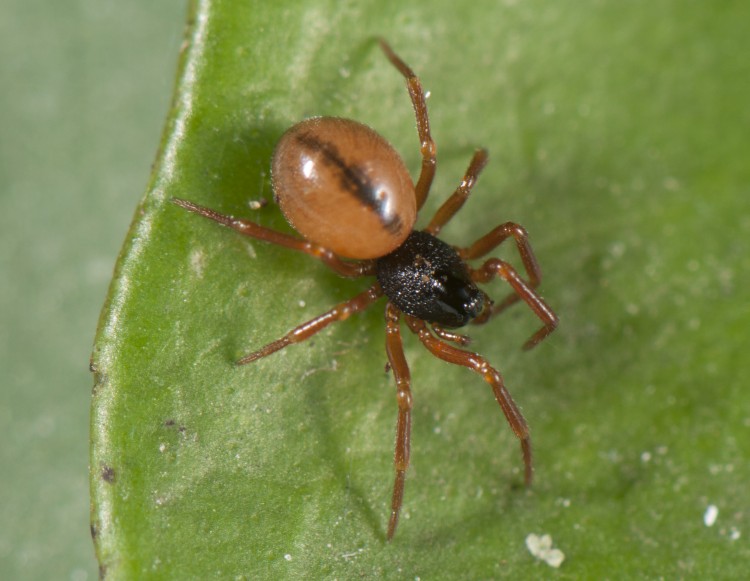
(84, 89)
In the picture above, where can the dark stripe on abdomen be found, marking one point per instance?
(351, 179)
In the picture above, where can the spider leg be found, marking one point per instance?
(496, 267)
(428, 147)
(397, 361)
(306, 330)
(344, 268)
(453, 204)
(492, 240)
(446, 335)
(480, 365)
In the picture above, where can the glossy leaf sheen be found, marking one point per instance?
(618, 137)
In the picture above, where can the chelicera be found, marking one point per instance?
(348, 193)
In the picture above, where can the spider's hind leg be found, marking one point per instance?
(350, 269)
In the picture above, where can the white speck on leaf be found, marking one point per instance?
(197, 262)
(250, 250)
(541, 548)
(710, 516)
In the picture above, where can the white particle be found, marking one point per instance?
(710, 516)
(617, 249)
(250, 250)
(288, 557)
(632, 309)
(541, 548)
(197, 262)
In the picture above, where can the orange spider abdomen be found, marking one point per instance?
(343, 186)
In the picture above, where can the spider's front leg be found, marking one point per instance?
(480, 365)
(496, 267)
(492, 240)
(397, 360)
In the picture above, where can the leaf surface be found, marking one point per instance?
(617, 135)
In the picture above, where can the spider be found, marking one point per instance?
(347, 191)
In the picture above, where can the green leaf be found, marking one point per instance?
(618, 137)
